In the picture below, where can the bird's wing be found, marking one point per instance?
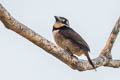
(75, 37)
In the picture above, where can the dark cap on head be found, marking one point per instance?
(62, 20)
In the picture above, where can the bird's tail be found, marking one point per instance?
(90, 61)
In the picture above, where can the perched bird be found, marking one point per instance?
(69, 40)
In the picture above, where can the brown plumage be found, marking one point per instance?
(68, 39)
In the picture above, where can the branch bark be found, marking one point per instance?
(104, 59)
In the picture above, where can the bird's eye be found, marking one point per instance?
(63, 20)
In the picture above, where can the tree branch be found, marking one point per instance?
(108, 47)
(72, 61)
(113, 63)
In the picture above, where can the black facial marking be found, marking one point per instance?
(60, 28)
(63, 20)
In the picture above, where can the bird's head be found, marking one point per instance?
(60, 22)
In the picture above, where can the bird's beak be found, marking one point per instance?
(57, 18)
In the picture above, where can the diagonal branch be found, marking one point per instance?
(111, 40)
(72, 61)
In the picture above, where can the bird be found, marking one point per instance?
(69, 40)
